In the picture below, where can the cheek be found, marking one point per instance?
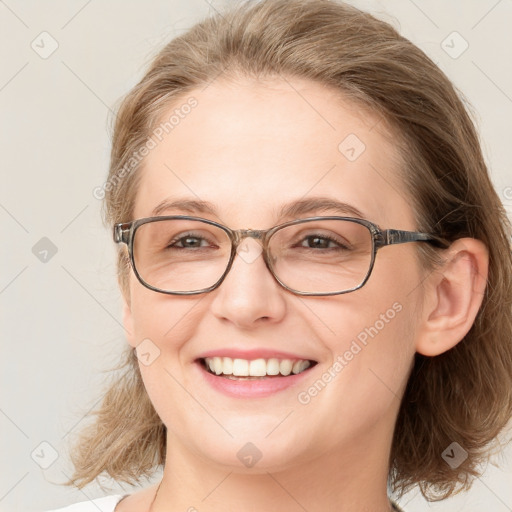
(361, 385)
(377, 340)
(161, 327)
(374, 328)
(391, 309)
(157, 316)
(365, 380)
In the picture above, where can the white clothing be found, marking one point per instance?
(105, 504)
(108, 504)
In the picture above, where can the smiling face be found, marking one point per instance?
(249, 150)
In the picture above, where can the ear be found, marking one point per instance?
(454, 294)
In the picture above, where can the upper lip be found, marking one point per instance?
(256, 353)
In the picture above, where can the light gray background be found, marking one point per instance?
(60, 319)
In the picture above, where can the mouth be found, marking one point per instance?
(255, 369)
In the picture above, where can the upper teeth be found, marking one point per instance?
(256, 367)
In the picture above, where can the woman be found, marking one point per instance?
(316, 272)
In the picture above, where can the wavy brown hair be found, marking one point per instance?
(462, 395)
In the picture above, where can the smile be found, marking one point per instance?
(256, 368)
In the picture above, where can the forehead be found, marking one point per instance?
(251, 146)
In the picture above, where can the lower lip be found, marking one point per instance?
(250, 388)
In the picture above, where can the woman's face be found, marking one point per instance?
(249, 150)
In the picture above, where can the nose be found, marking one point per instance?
(249, 295)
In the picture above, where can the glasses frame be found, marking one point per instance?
(124, 232)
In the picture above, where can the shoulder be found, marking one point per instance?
(105, 504)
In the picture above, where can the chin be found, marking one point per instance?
(249, 450)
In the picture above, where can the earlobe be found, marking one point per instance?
(454, 294)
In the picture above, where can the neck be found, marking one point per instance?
(351, 478)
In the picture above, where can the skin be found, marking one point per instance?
(249, 148)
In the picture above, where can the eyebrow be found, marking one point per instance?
(318, 204)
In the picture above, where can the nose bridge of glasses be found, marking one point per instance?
(249, 252)
(241, 234)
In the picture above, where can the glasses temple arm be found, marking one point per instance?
(396, 236)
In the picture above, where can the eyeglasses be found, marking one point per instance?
(184, 255)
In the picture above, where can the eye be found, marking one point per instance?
(323, 242)
(188, 241)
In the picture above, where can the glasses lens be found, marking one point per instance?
(322, 256)
(180, 255)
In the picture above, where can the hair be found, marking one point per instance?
(463, 395)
